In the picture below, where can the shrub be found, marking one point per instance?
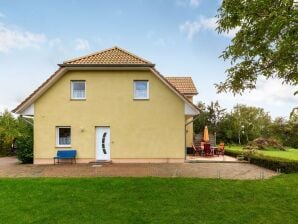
(24, 146)
(284, 165)
(233, 153)
(272, 163)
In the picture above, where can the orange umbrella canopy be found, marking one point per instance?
(206, 134)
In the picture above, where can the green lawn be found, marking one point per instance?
(149, 200)
(291, 154)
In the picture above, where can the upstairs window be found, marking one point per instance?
(141, 90)
(63, 136)
(78, 90)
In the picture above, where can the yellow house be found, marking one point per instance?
(112, 105)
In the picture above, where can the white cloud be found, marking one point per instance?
(191, 3)
(16, 38)
(194, 3)
(82, 44)
(54, 42)
(270, 94)
(194, 27)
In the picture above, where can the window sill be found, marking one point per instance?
(63, 146)
(137, 99)
(78, 99)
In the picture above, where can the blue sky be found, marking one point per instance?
(177, 35)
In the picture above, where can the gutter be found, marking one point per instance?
(107, 65)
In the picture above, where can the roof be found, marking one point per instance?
(184, 85)
(112, 56)
(122, 59)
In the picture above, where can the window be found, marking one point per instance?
(141, 90)
(78, 90)
(63, 136)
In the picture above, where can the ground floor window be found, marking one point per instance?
(63, 136)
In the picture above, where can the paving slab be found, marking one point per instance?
(10, 167)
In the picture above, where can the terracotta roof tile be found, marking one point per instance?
(184, 85)
(111, 56)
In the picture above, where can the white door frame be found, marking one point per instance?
(102, 143)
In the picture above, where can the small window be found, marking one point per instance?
(63, 136)
(78, 90)
(141, 90)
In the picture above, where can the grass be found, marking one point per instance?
(290, 153)
(149, 200)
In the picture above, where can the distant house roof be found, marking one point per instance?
(184, 85)
(110, 57)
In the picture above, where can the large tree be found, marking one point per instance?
(266, 43)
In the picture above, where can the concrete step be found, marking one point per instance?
(100, 162)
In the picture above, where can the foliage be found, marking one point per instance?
(284, 161)
(8, 130)
(149, 200)
(24, 142)
(285, 131)
(210, 115)
(283, 165)
(289, 154)
(246, 123)
(265, 44)
(16, 132)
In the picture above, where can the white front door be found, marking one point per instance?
(103, 143)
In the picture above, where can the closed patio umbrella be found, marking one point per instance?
(206, 134)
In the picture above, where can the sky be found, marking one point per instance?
(177, 35)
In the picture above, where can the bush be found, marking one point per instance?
(233, 153)
(24, 146)
(284, 165)
(272, 163)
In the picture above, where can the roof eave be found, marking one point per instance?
(106, 65)
(190, 94)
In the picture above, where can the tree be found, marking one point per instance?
(17, 132)
(202, 118)
(8, 130)
(210, 115)
(24, 142)
(251, 122)
(215, 114)
(265, 45)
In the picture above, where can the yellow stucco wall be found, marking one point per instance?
(139, 129)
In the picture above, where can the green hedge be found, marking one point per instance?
(25, 148)
(272, 163)
(233, 153)
(285, 166)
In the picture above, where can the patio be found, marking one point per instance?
(215, 159)
(10, 167)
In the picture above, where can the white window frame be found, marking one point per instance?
(57, 136)
(134, 90)
(71, 89)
